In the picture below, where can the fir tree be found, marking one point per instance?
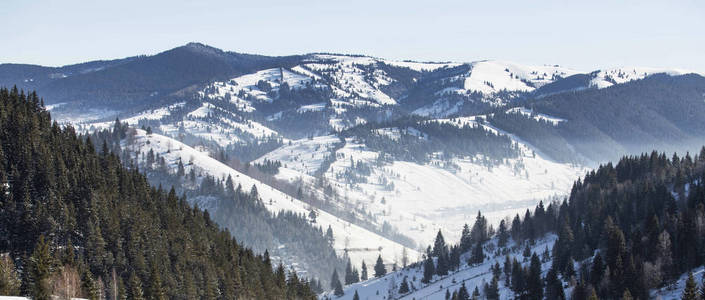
(428, 270)
(136, 291)
(156, 290)
(356, 296)
(534, 282)
(476, 294)
(363, 275)
(349, 273)
(335, 283)
(478, 256)
(403, 287)
(502, 234)
(380, 270)
(554, 287)
(691, 288)
(9, 280)
(463, 292)
(492, 292)
(439, 246)
(41, 266)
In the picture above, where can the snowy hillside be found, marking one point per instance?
(606, 78)
(493, 76)
(346, 235)
(387, 287)
(417, 199)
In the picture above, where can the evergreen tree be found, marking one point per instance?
(403, 287)
(356, 296)
(136, 291)
(439, 246)
(492, 292)
(428, 270)
(554, 287)
(478, 256)
(691, 288)
(9, 281)
(41, 266)
(476, 294)
(329, 236)
(156, 290)
(380, 270)
(335, 283)
(502, 234)
(534, 283)
(180, 171)
(465, 239)
(363, 275)
(349, 279)
(463, 292)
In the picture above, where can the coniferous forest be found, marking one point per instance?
(75, 222)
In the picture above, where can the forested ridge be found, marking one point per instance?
(75, 222)
(625, 229)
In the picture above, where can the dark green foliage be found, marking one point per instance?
(534, 282)
(403, 287)
(62, 188)
(691, 288)
(335, 284)
(640, 217)
(380, 269)
(40, 267)
(9, 279)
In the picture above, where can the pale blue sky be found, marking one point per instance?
(585, 35)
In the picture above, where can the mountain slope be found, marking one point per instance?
(85, 219)
(346, 235)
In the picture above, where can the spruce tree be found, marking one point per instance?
(465, 239)
(439, 246)
(41, 266)
(363, 274)
(492, 292)
(334, 280)
(691, 288)
(156, 290)
(136, 292)
(476, 294)
(380, 270)
(9, 280)
(534, 282)
(554, 287)
(463, 292)
(403, 287)
(428, 270)
(349, 273)
(356, 296)
(478, 256)
(502, 234)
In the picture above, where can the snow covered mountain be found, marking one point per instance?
(364, 141)
(346, 235)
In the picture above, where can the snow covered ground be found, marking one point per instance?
(493, 76)
(346, 235)
(471, 276)
(418, 199)
(610, 77)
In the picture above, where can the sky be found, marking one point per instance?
(585, 35)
